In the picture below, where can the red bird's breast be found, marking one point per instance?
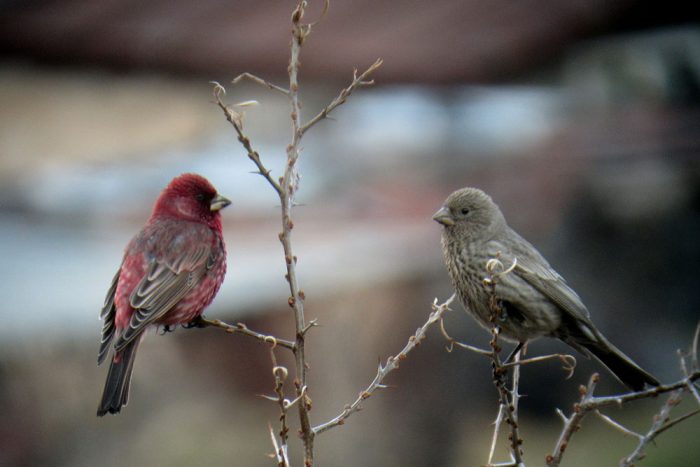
(192, 258)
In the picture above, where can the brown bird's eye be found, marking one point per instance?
(465, 211)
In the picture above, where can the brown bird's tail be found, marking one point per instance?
(628, 372)
(116, 391)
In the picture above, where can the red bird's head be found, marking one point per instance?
(191, 197)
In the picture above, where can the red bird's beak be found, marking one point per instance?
(218, 203)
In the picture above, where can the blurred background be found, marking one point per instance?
(580, 118)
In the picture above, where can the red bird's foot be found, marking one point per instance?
(166, 328)
(198, 322)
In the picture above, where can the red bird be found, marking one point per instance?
(171, 271)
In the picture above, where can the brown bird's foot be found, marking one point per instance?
(198, 322)
(517, 349)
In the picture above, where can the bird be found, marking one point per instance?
(533, 300)
(170, 272)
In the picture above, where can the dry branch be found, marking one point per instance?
(286, 187)
(392, 363)
(240, 328)
(589, 403)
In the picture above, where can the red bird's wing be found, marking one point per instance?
(165, 283)
(107, 315)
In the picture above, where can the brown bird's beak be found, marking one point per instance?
(444, 217)
(218, 203)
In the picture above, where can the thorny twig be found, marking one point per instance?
(280, 374)
(451, 343)
(571, 423)
(568, 361)
(259, 81)
(661, 423)
(357, 81)
(617, 425)
(286, 187)
(392, 363)
(289, 185)
(694, 365)
(508, 398)
(515, 397)
(241, 328)
(280, 454)
(235, 119)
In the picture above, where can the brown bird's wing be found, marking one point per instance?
(533, 269)
(165, 283)
(554, 287)
(107, 315)
(536, 271)
(576, 328)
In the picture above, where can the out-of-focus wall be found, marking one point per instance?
(592, 157)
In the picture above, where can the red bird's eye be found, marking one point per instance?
(199, 197)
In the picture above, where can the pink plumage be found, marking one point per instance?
(170, 273)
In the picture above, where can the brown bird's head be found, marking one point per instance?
(469, 211)
(191, 197)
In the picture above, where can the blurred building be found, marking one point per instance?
(580, 118)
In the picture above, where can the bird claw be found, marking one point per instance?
(198, 322)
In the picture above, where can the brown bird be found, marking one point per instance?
(534, 299)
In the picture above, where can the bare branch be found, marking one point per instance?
(357, 81)
(684, 368)
(260, 81)
(280, 455)
(280, 374)
(693, 390)
(616, 425)
(571, 423)
(392, 363)
(660, 420)
(236, 121)
(606, 401)
(590, 403)
(326, 5)
(494, 437)
(452, 342)
(676, 421)
(514, 398)
(240, 328)
(694, 365)
(288, 187)
(568, 361)
(508, 399)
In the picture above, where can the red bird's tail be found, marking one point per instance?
(116, 392)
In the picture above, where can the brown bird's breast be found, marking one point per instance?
(521, 316)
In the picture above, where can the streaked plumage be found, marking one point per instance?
(535, 300)
(170, 273)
